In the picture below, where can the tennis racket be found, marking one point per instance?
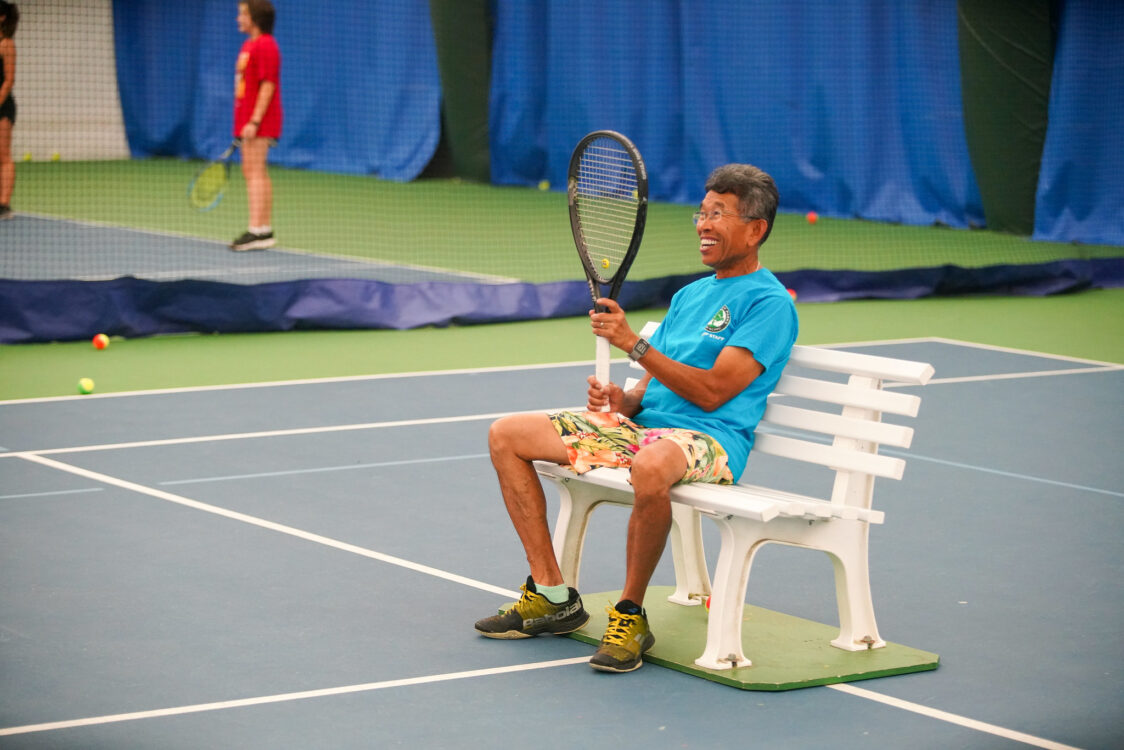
(607, 190)
(209, 183)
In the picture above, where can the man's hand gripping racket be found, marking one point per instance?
(607, 191)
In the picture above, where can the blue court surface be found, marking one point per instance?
(39, 248)
(300, 565)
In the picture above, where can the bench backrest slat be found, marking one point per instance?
(856, 429)
(833, 457)
(852, 363)
(847, 395)
(811, 420)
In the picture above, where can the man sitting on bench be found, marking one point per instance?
(709, 368)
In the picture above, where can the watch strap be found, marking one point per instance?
(640, 349)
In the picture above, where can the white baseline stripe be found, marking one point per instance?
(304, 381)
(264, 474)
(933, 713)
(553, 365)
(270, 525)
(1012, 350)
(282, 697)
(1016, 375)
(267, 433)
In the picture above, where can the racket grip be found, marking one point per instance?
(601, 370)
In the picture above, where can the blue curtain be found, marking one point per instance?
(359, 82)
(1081, 181)
(854, 108)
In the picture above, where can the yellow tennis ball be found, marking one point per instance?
(55, 156)
(604, 262)
(27, 156)
(544, 185)
(85, 385)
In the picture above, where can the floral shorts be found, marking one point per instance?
(595, 439)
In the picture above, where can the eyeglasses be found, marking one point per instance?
(717, 215)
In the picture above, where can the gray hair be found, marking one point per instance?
(756, 191)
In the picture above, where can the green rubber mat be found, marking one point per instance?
(787, 652)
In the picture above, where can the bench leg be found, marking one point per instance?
(857, 628)
(576, 503)
(692, 581)
(727, 601)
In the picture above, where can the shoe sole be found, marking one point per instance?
(617, 670)
(255, 245)
(623, 668)
(513, 635)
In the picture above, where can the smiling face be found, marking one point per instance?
(727, 242)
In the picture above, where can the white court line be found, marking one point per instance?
(1013, 475)
(265, 434)
(934, 713)
(49, 494)
(1027, 352)
(1016, 375)
(283, 697)
(318, 469)
(858, 692)
(288, 250)
(1098, 367)
(343, 546)
(264, 524)
(303, 381)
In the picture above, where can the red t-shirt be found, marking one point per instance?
(259, 60)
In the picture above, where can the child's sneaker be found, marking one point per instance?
(251, 241)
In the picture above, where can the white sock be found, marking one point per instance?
(266, 229)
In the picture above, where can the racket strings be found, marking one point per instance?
(606, 201)
(208, 185)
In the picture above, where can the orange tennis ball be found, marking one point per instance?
(792, 293)
(812, 217)
(708, 602)
(101, 341)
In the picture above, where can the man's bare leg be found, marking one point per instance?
(515, 441)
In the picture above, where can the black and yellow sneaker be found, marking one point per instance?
(625, 640)
(534, 614)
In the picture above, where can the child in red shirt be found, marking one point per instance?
(257, 116)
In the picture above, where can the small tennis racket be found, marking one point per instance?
(209, 183)
(607, 189)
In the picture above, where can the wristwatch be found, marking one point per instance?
(638, 351)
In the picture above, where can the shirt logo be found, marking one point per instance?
(720, 320)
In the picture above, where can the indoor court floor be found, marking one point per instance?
(300, 565)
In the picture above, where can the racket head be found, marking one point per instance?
(209, 184)
(607, 192)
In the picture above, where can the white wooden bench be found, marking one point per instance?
(749, 515)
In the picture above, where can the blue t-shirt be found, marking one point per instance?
(754, 312)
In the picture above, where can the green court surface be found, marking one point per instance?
(509, 232)
(786, 652)
(513, 233)
(1088, 325)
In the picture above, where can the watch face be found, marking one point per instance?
(639, 350)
